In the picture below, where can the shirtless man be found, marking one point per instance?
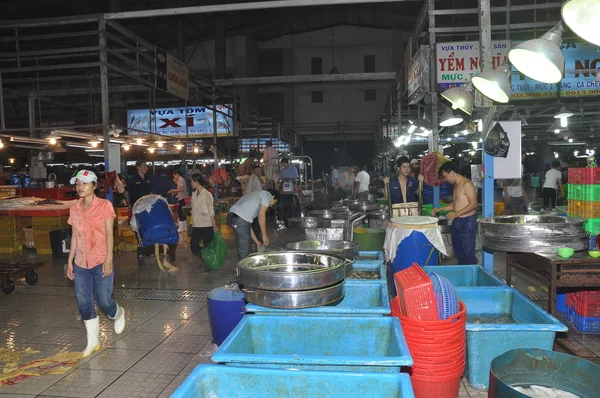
(462, 213)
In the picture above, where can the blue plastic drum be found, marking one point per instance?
(157, 225)
(226, 308)
(416, 248)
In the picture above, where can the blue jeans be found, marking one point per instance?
(90, 283)
(243, 236)
(464, 231)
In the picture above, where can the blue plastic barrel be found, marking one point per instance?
(157, 225)
(226, 308)
(416, 248)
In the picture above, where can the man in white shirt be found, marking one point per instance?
(361, 184)
(270, 158)
(552, 182)
(254, 183)
(515, 197)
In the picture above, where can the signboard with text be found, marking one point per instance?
(419, 75)
(456, 62)
(173, 122)
(172, 75)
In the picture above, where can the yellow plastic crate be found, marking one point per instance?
(127, 247)
(11, 249)
(49, 223)
(41, 240)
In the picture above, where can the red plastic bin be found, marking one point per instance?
(585, 303)
(584, 175)
(425, 388)
(415, 293)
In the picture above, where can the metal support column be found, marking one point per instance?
(31, 111)
(216, 156)
(485, 46)
(434, 138)
(180, 36)
(220, 50)
(105, 100)
(2, 119)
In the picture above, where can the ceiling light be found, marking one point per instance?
(411, 128)
(450, 118)
(563, 113)
(11, 160)
(94, 142)
(582, 17)
(1, 144)
(126, 145)
(570, 139)
(53, 138)
(555, 155)
(460, 97)
(151, 149)
(196, 149)
(494, 84)
(139, 141)
(178, 145)
(541, 59)
(160, 142)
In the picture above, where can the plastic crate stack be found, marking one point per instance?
(584, 310)
(584, 197)
(42, 226)
(10, 235)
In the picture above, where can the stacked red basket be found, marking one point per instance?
(437, 346)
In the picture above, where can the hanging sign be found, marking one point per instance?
(457, 62)
(172, 122)
(172, 75)
(419, 75)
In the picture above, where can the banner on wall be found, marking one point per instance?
(419, 75)
(457, 62)
(172, 122)
(172, 75)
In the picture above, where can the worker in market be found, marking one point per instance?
(361, 184)
(203, 225)
(335, 182)
(515, 197)
(404, 188)
(552, 186)
(462, 213)
(270, 158)
(415, 168)
(90, 263)
(181, 193)
(287, 172)
(248, 219)
(245, 170)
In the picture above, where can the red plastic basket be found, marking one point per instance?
(415, 293)
(584, 175)
(585, 303)
(425, 388)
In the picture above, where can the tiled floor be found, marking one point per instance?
(164, 340)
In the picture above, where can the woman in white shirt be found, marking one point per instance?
(181, 192)
(203, 215)
(553, 181)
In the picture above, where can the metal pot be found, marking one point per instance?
(378, 219)
(530, 234)
(351, 202)
(290, 271)
(309, 222)
(302, 299)
(49, 184)
(364, 206)
(329, 214)
(347, 250)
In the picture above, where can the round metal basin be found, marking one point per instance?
(302, 299)
(531, 234)
(290, 271)
(329, 214)
(347, 250)
(309, 222)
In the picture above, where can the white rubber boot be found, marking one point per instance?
(181, 227)
(119, 320)
(92, 327)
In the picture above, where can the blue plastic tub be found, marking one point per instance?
(157, 225)
(359, 299)
(416, 248)
(232, 381)
(499, 320)
(466, 275)
(225, 311)
(340, 343)
(370, 257)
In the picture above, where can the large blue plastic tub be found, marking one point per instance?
(157, 225)
(225, 310)
(232, 381)
(499, 320)
(340, 343)
(466, 275)
(359, 299)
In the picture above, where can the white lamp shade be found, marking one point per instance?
(460, 98)
(540, 59)
(582, 17)
(494, 84)
(449, 118)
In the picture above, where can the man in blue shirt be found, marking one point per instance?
(404, 188)
(335, 177)
(287, 172)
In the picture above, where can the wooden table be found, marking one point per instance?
(579, 271)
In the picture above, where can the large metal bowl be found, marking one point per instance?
(309, 222)
(531, 234)
(364, 206)
(302, 299)
(347, 250)
(290, 271)
(330, 215)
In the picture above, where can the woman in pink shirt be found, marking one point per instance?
(90, 262)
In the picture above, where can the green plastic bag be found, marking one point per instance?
(215, 254)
